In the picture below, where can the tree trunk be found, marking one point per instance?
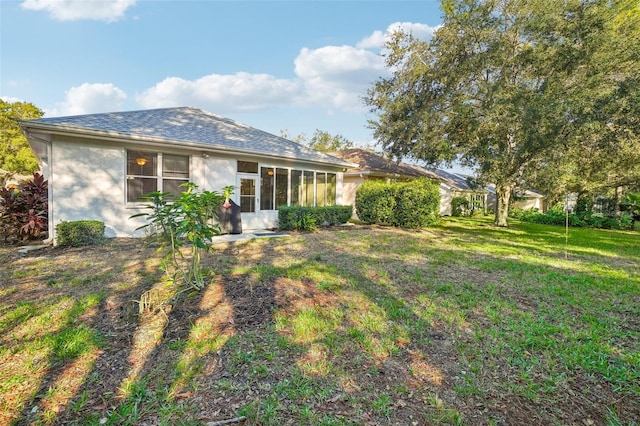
(617, 209)
(503, 194)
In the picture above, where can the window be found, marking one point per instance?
(247, 167)
(267, 178)
(148, 172)
(282, 187)
(274, 188)
(296, 188)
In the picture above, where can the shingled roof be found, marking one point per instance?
(183, 126)
(375, 164)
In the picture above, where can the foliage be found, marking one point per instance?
(412, 204)
(183, 221)
(375, 202)
(417, 203)
(24, 210)
(514, 86)
(322, 141)
(585, 219)
(79, 233)
(631, 204)
(15, 153)
(305, 218)
(460, 206)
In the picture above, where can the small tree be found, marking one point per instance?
(184, 221)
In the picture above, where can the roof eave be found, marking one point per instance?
(121, 137)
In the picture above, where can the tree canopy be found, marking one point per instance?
(514, 86)
(321, 141)
(15, 153)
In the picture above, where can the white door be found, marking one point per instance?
(249, 200)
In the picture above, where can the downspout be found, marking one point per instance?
(46, 167)
(51, 238)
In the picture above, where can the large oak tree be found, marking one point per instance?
(508, 86)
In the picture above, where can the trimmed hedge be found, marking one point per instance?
(305, 218)
(414, 204)
(79, 233)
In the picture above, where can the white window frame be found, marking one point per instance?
(159, 173)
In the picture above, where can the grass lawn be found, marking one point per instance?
(462, 323)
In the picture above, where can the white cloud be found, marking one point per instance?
(11, 99)
(332, 77)
(338, 76)
(73, 10)
(90, 98)
(229, 93)
(377, 39)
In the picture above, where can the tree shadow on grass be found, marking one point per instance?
(322, 330)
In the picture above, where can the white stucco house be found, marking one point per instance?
(99, 165)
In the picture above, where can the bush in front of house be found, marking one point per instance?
(460, 206)
(375, 202)
(412, 204)
(307, 218)
(79, 233)
(24, 210)
(417, 204)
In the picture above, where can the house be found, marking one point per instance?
(374, 166)
(524, 199)
(99, 165)
(454, 185)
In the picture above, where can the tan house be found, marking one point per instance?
(375, 166)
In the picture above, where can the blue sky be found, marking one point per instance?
(275, 65)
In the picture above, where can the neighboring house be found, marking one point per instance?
(524, 199)
(455, 185)
(375, 166)
(372, 166)
(99, 165)
(527, 199)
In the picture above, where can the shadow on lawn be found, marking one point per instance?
(336, 335)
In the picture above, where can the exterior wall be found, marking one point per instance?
(530, 203)
(349, 186)
(87, 181)
(446, 195)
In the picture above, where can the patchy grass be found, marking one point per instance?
(462, 324)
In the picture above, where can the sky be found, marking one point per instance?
(294, 66)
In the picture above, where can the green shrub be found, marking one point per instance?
(412, 204)
(557, 216)
(417, 205)
(375, 202)
(306, 218)
(80, 233)
(460, 206)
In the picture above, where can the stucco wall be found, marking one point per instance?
(529, 203)
(87, 182)
(446, 195)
